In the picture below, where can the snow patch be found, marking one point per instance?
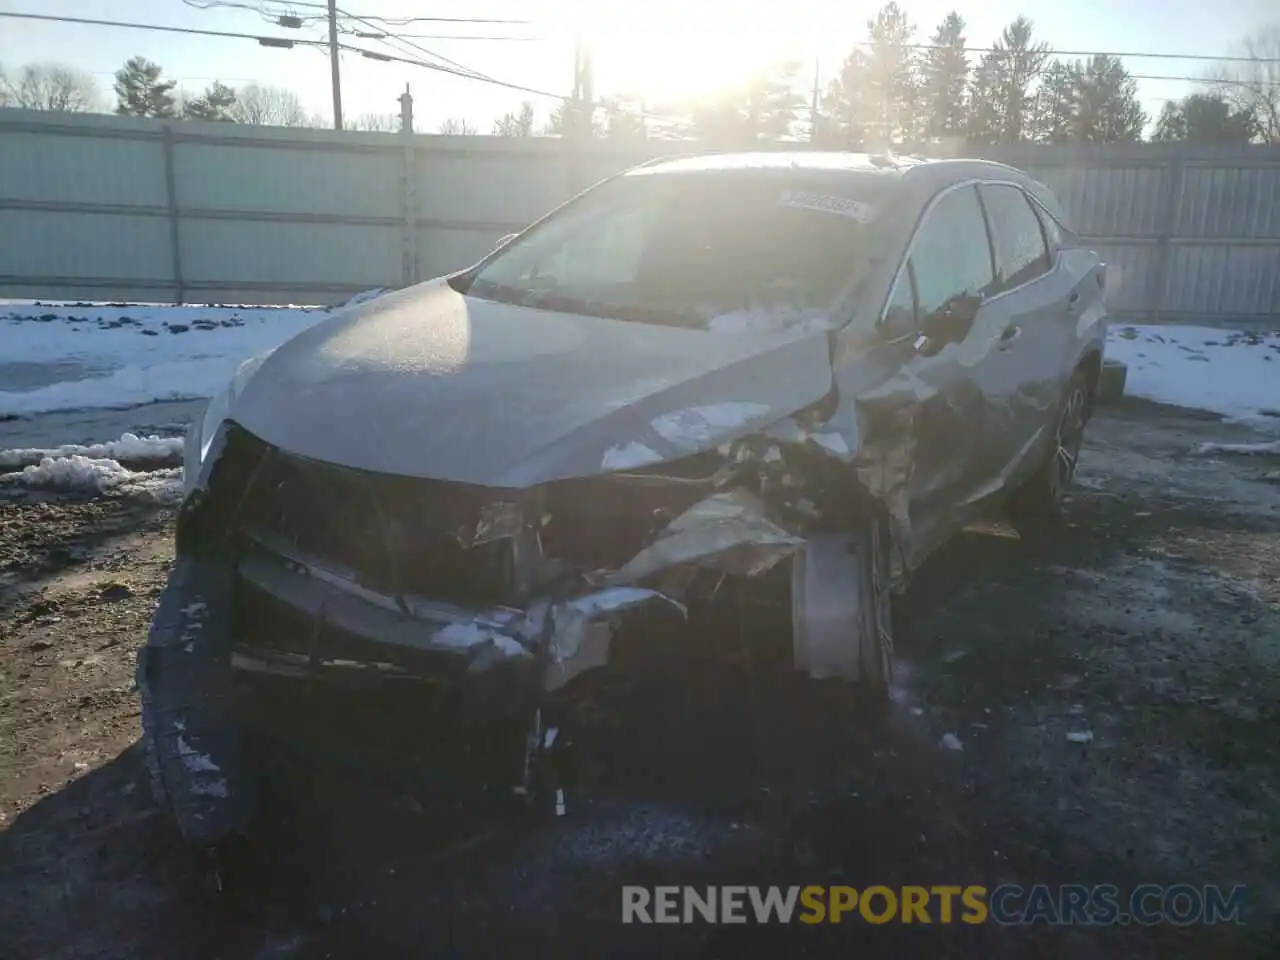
(193, 760)
(128, 447)
(80, 356)
(1229, 372)
(80, 474)
(699, 426)
(628, 456)
(1249, 449)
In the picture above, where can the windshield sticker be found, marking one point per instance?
(841, 206)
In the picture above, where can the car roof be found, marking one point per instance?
(809, 160)
(922, 176)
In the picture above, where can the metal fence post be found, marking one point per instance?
(408, 194)
(175, 243)
(1167, 227)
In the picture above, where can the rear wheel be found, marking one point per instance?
(1038, 502)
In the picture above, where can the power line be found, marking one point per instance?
(370, 35)
(398, 21)
(418, 48)
(253, 8)
(264, 40)
(286, 42)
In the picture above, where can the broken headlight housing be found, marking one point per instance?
(201, 432)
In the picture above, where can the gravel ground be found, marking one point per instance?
(1153, 622)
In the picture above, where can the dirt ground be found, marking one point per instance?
(1153, 622)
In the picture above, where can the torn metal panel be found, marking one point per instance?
(582, 628)
(730, 531)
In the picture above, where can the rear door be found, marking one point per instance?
(1031, 348)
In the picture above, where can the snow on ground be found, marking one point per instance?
(80, 474)
(1229, 372)
(71, 356)
(128, 447)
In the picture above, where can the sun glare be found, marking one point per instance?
(675, 51)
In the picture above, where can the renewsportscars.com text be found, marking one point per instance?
(1069, 904)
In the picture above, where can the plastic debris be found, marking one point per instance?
(950, 741)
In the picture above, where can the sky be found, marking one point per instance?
(659, 50)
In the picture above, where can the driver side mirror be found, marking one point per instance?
(951, 322)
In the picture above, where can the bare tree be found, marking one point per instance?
(6, 93)
(1255, 86)
(375, 123)
(515, 124)
(268, 107)
(52, 86)
(456, 126)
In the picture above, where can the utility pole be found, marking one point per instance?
(583, 102)
(814, 117)
(333, 64)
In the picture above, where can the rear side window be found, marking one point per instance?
(950, 256)
(1016, 236)
(1053, 234)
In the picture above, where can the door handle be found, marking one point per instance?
(1073, 301)
(1009, 336)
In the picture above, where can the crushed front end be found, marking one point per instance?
(424, 623)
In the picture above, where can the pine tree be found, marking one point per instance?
(624, 119)
(1056, 104)
(875, 101)
(944, 77)
(1108, 110)
(1206, 118)
(763, 109)
(214, 104)
(999, 96)
(140, 92)
(986, 118)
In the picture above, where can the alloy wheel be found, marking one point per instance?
(1068, 439)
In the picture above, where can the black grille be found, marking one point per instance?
(394, 532)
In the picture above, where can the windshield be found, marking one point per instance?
(725, 251)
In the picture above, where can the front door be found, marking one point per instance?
(961, 416)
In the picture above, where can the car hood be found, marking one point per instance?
(428, 382)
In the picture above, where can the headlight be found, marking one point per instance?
(201, 432)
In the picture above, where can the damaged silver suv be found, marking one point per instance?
(796, 371)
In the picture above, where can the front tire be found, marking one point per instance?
(1038, 503)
